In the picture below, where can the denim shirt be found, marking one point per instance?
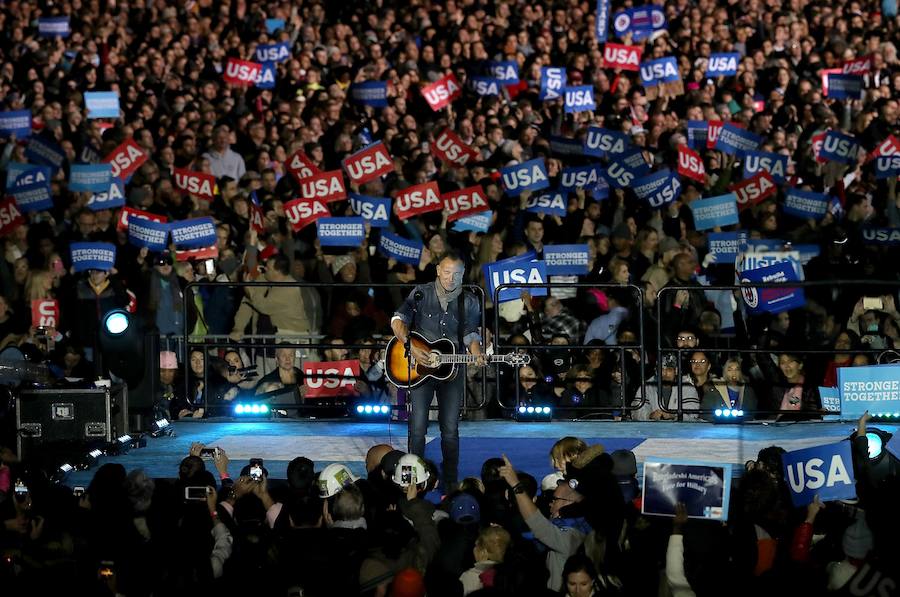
(433, 322)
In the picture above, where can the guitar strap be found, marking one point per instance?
(460, 302)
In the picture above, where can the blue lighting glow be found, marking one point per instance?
(875, 444)
(116, 322)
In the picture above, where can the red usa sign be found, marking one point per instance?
(465, 202)
(125, 159)
(368, 163)
(712, 132)
(195, 183)
(449, 148)
(10, 216)
(753, 190)
(130, 212)
(690, 164)
(201, 253)
(256, 218)
(622, 56)
(330, 378)
(418, 199)
(442, 92)
(889, 146)
(817, 141)
(860, 66)
(303, 212)
(326, 186)
(45, 313)
(241, 72)
(301, 166)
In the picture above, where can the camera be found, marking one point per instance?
(21, 490)
(209, 453)
(256, 473)
(407, 475)
(195, 493)
(873, 303)
(78, 491)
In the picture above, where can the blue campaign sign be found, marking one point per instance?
(659, 188)
(44, 151)
(640, 21)
(831, 400)
(515, 270)
(887, 166)
(599, 142)
(601, 21)
(696, 133)
(111, 198)
(566, 260)
(723, 65)
(553, 79)
(881, 236)
(87, 256)
(101, 104)
(375, 210)
(341, 232)
(579, 98)
(506, 71)
(273, 25)
(399, 248)
(90, 177)
(147, 233)
(703, 487)
(15, 122)
(725, 245)
(565, 146)
(601, 189)
(480, 222)
(620, 176)
(838, 147)
(580, 177)
(633, 159)
(267, 74)
(370, 93)
(54, 27)
(874, 388)
(273, 52)
(893, 445)
(552, 203)
(32, 191)
(527, 176)
(661, 70)
(773, 299)
(734, 140)
(759, 161)
(842, 86)
(806, 204)
(16, 169)
(826, 471)
(196, 233)
(485, 85)
(715, 211)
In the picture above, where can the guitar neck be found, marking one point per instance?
(470, 358)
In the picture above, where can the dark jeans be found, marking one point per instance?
(450, 395)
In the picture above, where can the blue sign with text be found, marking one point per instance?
(826, 471)
(715, 211)
(703, 487)
(873, 388)
(87, 256)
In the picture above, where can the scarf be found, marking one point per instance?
(356, 523)
(444, 296)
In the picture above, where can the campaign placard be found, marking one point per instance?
(774, 299)
(838, 147)
(619, 174)
(341, 232)
(418, 199)
(400, 249)
(622, 57)
(10, 216)
(128, 213)
(722, 65)
(15, 122)
(690, 164)
(601, 21)
(450, 149)
(267, 73)
(273, 25)
(45, 313)
(858, 66)
(147, 233)
(806, 204)
(873, 388)
(579, 98)
(725, 245)
(94, 178)
(553, 79)
(370, 93)
(368, 163)
(703, 487)
(42, 150)
(580, 177)
(31, 190)
(751, 191)
(87, 256)
(325, 186)
(553, 203)
(887, 166)
(273, 52)
(479, 222)
(195, 183)
(465, 202)
(599, 142)
(696, 133)
(713, 128)
(826, 471)
(375, 210)
(734, 140)
(844, 87)
(889, 147)
(301, 167)
(330, 379)
(193, 233)
(505, 71)
(516, 270)
(639, 21)
(661, 70)
(303, 212)
(112, 197)
(442, 92)
(54, 27)
(197, 254)
(126, 159)
(566, 260)
(715, 211)
(658, 189)
(485, 85)
(881, 236)
(527, 176)
(773, 163)
(830, 399)
(102, 104)
(241, 73)
(633, 159)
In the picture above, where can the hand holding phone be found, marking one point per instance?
(873, 303)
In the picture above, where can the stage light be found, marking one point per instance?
(122, 347)
(533, 413)
(530, 409)
(728, 415)
(373, 410)
(359, 408)
(875, 445)
(244, 409)
(718, 412)
(522, 410)
(368, 409)
(116, 322)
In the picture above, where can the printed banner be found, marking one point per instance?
(553, 203)
(45, 313)
(633, 159)
(580, 177)
(129, 213)
(601, 21)
(566, 260)
(95, 178)
(10, 216)
(54, 27)
(31, 190)
(465, 202)
(16, 169)
(193, 233)
(147, 233)
(241, 73)
(44, 151)
(888, 147)
(418, 199)
(341, 232)
(102, 104)
(579, 98)
(703, 487)
(826, 471)
(273, 52)
(658, 189)
(860, 66)
(303, 212)
(773, 163)
(267, 74)
(112, 197)
(873, 388)
(599, 142)
(830, 399)
(553, 79)
(640, 21)
(126, 159)
(375, 210)
(722, 65)
(843, 87)
(838, 147)
(442, 92)
(15, 122)
(661, 70)
(736, 141)
(87, 256)
(400, 249)
(753, 190)
(273, 25)
(690, 164)
(725, 245)
(887, 166)
(301, 167)
(715, 211)
(197, 254)
(713, 128)
(326, 187)
(195, 183)
(368, 163)
(479, 222)
(506, 71)
(771, 300)
(622, 57)
(450, 149)
(806, 204)
(330, 379)
(527, 176)
(881, 236)
(696, 133)
(516, 270)
(370, 93)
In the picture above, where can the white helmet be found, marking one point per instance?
(333, 479)
(410, 470)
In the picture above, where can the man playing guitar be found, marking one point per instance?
(436, 309)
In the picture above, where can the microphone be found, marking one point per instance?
(418, 295)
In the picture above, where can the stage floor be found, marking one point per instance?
(526, 444)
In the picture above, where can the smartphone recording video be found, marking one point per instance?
(196, 493)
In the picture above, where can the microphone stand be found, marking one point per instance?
(417, 296)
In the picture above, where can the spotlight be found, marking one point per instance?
(876, 446)
(116, 322)
(162, 427)
(61, 473)
(728, 415)
(882, 463)
(373, 410)
(122, 346)
(244, 409)
(533, 413)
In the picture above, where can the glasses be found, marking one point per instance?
(698, 361)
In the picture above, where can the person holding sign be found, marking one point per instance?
(440, 310)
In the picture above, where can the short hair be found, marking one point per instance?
(280, 263)
(305, 510)
(348, 504)
(490, 470)
(567, 448)
(494, 541)
(300, 474)
(452, 255)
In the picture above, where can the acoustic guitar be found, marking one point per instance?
(404, 371)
